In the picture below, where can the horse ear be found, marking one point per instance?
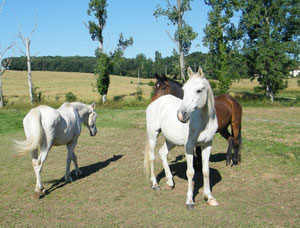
(200, 72)
(94, 106)
(190, 72)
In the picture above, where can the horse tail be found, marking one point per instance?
(147, 159)
(33, 130)
(240, 145)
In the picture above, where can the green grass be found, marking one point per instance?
(113, 191)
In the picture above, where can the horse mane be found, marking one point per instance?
(210, 99)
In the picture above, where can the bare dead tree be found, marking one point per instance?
(2, 53)
(1, 7)
(27, 41)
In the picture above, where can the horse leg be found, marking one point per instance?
(70, 147)
(150, 158)
(236, 129)
(198, 160)
(163, 152)
(77, 170)
(206, 150)
(189, 154)
(229, 139)
(37, 166)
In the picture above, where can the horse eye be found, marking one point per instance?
(199, 90)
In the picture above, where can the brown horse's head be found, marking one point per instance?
(161, 87)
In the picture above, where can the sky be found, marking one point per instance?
(61, 31)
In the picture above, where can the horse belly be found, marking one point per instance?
(173, 130)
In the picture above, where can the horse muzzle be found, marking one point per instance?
(93, 132)
(183, 116)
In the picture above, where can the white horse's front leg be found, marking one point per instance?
(190, 175)
(205, 169)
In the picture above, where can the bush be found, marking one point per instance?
(117, 98)
(139, 94)
(213, 84)
(151, 83)
(37, 95)
(70, 97)
(257, 89)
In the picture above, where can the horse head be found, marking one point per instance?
(196, 93)
(161, 87)
(91, 123)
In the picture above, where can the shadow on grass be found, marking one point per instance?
(86, 171)
(178, 168)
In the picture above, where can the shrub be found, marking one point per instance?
(257, 89)
(213, 84)
(151, 83)
(37, 95)
(139, 94)
(117, 98)
(70, 97)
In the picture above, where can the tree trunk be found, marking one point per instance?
(270, 93)
(181, 55)
(29, 71)
(182, 66)
(104, 98)
(1, 95)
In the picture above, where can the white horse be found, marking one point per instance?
(45, 126)
(189, 122)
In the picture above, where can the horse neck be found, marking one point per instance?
(209, 109)
(175, 89)
(82, 110)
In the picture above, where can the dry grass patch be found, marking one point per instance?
(54, 85)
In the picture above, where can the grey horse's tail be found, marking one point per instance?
(33, 130)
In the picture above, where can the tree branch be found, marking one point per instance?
(6, 49)
(2, 5)
(173, 40)
(35, 23)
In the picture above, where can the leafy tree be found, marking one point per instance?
(184, 34)
(158, 63)
(271, 41)
(105, 62)
(219, 33)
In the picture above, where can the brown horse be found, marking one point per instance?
(228, 111)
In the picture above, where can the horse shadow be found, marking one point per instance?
(178, 168)
(86, 171)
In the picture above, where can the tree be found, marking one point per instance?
(219, 33)
(105, 62)
(27, 41)
(8, 61)
(158, 64)
(271, 41)
(184, 34)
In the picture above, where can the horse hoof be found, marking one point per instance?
(169, 187)
(212, 202)
(39, 194)
(156, 188)
(190, 206)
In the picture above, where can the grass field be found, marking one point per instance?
(54, 86)
(113, 191)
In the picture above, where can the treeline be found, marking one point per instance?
(55, 63)
(139, 66)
